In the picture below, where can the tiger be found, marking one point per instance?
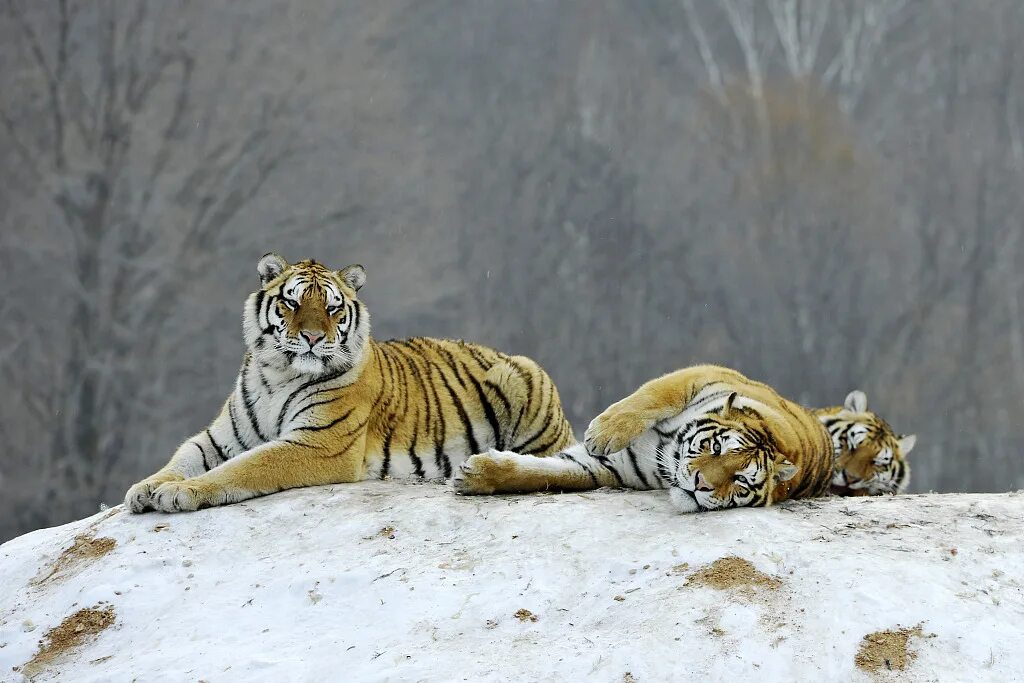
(318, 401)
(870, 458)
(714, 438)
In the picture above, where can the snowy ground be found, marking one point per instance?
(386, 581)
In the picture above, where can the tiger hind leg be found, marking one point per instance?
(572, 469)
(527, 407)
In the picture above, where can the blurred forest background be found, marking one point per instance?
(825, 194)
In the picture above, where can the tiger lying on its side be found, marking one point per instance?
(318, 401)
(870, 459)
(711, 436)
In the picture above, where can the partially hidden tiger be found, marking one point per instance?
(318, 401)
(714, 438)
(870, 458)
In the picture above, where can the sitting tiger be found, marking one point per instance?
(712, 437)
(317, 401)
(870, 459)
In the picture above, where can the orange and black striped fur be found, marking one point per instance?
(317, 401)
(870, 458)
(711, 436)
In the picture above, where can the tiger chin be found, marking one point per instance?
(870, 458)
(709, 435)
(318, 401)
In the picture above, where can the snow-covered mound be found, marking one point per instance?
(387, 581)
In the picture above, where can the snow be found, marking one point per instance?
(386, 581)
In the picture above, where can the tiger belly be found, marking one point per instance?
(426, 460)
(636, 467)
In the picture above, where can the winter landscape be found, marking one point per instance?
(823, 195)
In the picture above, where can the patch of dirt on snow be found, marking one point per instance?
(732, 572)
(886, 650)
(525, 615)
(75, 630)
(84, 548)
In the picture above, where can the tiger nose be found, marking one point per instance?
(312, 336)
(701, 483)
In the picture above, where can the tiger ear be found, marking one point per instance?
(907, 442)
(270, 266)
(785, 470)
(856, 402)
(730, 404)
(354, 276)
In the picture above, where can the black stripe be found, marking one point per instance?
(474, 351)
(314, 404)
(260, 317)
(320, 428)
(216, 447)
(593, 477)
(547, 418)
(206, 465)
(439, 347)
(260, 295)
(440, 430)
(899, 472)
(428, 407)
(351, 441)
(606, 463)
(492, 419)
(303, 387)
(357, 310)
(296, 443)
(444, 465)
(400, 360)
(355, 430)
(500, 395)
(547, 446)
(389, 399)
(387, 456)
(807, 479)
(528, 381)
(525, 446)
(263, 379)
(416, 462)
(636, 467)
(234, 427)
(249, 404)
(474, 447)
(353, 326)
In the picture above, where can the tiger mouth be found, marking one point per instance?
(693, 496)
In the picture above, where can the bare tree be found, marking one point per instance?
(141, 201)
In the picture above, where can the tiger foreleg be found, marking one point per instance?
(267, 469)
(195, 456)
(623, 421)
(506, 472)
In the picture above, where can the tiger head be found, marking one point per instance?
(305, 317)
(870, 459)
(727, 459)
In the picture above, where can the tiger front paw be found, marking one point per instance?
(613, 430)
(483, 474)
(139, 497)
(177, 496)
